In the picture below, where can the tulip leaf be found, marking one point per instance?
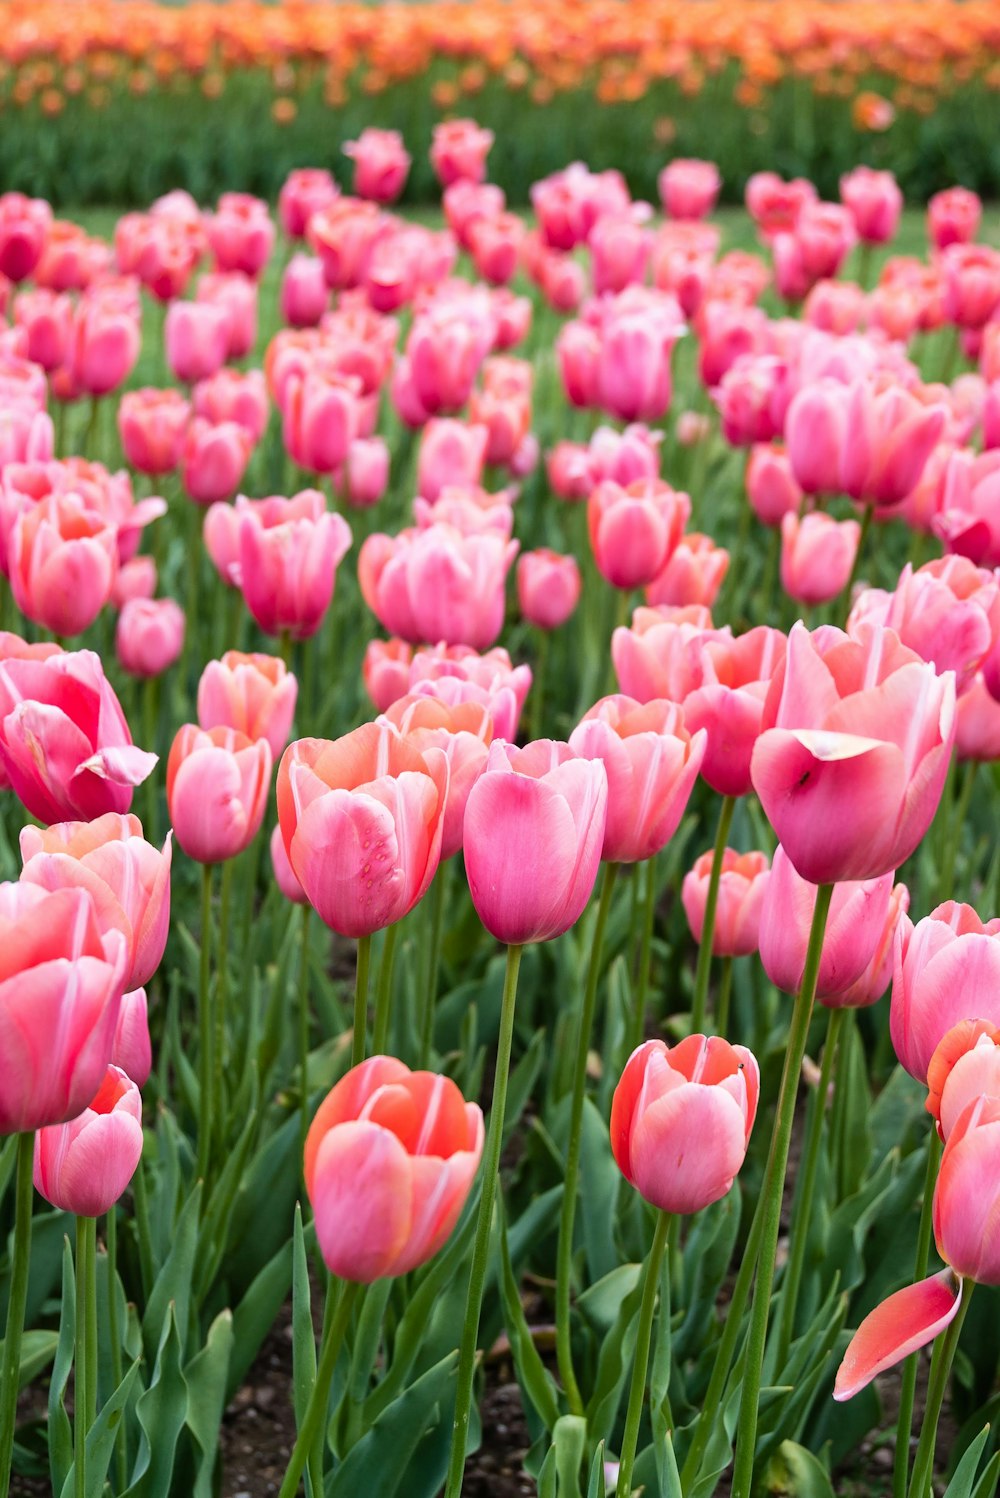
(600, 1183)
(38, 1348)
(535, 1380)
(380, 1461)
(101, 1439)
(794, 1472)
(601, 1303)
(255, 1314)
(986, 1487)
(214, 1233)
(521, 1084)
(161, 1413)
(851, 1148)
(60, 1431)
(368, 1337)
(559, 1476)
(265, 1202)
(964, 1479)
(303, 1334)
(596, 1483)
(615, 1360)
(171, 1294)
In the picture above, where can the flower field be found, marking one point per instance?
(499, 716)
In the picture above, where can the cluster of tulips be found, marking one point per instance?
(828, 732)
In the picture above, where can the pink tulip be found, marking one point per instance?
(901, 1325)
(774, 204)
(304, 192)
(875, 203)
(968, 519)
(463, 732)
(453, 673)
(966, 1197)
(451, 453)
(366, 472)
(305, 295)
(284, 874)
(862, 723)
(289, 551)
(534, 828)
(47, 319)
(459, 150)
(752, 398)
(953, 217)
(873, 982)
(655, 658)
(136, 579)
(217, 787)
(72, 260)
(728, 702)
(548, 587)
(836, 306)
(197, 339)
(84, 1166)
(856, 923)
(234, 395)
(888, 437)
(389, 1164)
(152, 425)
(495, 244)
(234, 294)
(24, 229)
(321, 419)
(971, 284)
(977, 724)
(149, 636)
(681, 1118)
(255, 694)
(633, 374)
(104, 347)
(215, 460)
(620, 249)
(437, 584)
(131, 1049)
(362, 819)
(60, 991)
(742, 886)
(342, 235)
(689, 189)
(817, 556)
(949, 613)
(965, 1065)
(651, 761)
(241, 233)
(127, 878)
(946, 969)
(446, 347)
(381, 164)
(634, 531)
(62, 560)
(693, 575)
(815, 432)
(813, 250)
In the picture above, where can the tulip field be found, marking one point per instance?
(499, 726)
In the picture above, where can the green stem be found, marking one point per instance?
(383, 995)
(771, 1195)
(304, 1023)
(361, 1000)
(91, 1384)
(564, 1261)
(644, 1335)
(538, 685)
(140, 1201)
(698, 1003)
(80, 1364)
(937, 1385)
(722, 1001)
(840, 1122)
(959, 808)
(15, 1305)
(114, 1335)
(620, 621)
(802, 1211)
(645, 952)
(481, 1251)
(907, 1393)
(205, 1026)
(316, 1409)
(866, 525)
(221, 996)
(437, 900)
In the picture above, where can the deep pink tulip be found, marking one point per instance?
(389, 1164)
(459, 150)
(289, 552)
(60, 990)
(953, 217)
(968, 518)
(634, 531)
(495, 245)
(217, 787)
(445, 350)
(47, 320)
(548, 587)
(85, 1165)
(742, 886)
(652, 763)
(946, 969)
(104, 348)
(875, 203)
(362, 818)
(774, 204)
(381, 164)
(235, 395)
(693, 574)
(752, 398)
(857, 920)
(451, 453)
(817, 555)
(215, 460)
(534, 829)
(241, 233)
(304, 192)
(62, 558)
(633, 375)
(254, 693)
(862, 723)
(734, 675)
(815, 432)
(149, 635)
(437, 584)
(152, 425)
(681, 1118)
(813, 250)
(24, 230)
(131, 1049)
(321, 420)
(305, 295)
(971, 284)
(197, 340)
(689, 189)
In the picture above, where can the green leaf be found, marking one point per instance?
(380, 1461)
(173, 1283)
(60, 1431)
(794, 1472)
(987, 1485)
(600, 1181)
(161, 1413)
(615, 1360)
(536, 1381)
(206, 1377)
(368, 1338)
(255, 1314)
(303, 1335)
(569, 1442)
(963, 1482)
(38, 1348)
(101, 1439)
(521, 1084)
(596, 1485)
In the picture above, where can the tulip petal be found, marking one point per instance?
(909, 1319)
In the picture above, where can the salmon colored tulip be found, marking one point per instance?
(363, 819)
(967, 1196)
(965, 1065)
(217, 786)
(463, 732)
(693, 574)
(85, 1165)
(534, 830)
(60, 990)
(127, 878)
(681, 1118)
(64, 741)
(903, 1323)
(131, 1049)
(742, 885)
(152, 425)
(254, 693)
(652, 763)
(389, 1164)
(862, 724)
(946, 969)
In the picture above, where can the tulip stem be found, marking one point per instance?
(803, 1207)
(221, 996)
(937, 1385)
(437, 900)
(481, 1251)
(722, 1001)
(361, 1000)
(85, 1352)
(114, 1337)
(771, 1196)
(383, 996)
(140, 1202)
(699, 1001)
(645, 952)
(564, 1261)
(866, 525)
(907, 1393)
(643, 1337)
(16, 1305)
(538, 685)
(304, 1023)
(333, 1339)
(205, 1027)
